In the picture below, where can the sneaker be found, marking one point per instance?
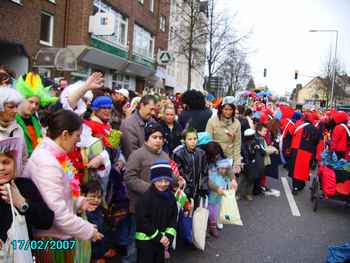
(273, 192)
(295, 191)
(249, 197)
(220, 226)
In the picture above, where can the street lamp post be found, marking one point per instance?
(335, 58)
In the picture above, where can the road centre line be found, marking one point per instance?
(291, 201)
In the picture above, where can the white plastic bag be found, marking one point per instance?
(229, 213)
(200, 223)
(17, 231)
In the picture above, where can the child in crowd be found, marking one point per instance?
(156, 216)
(193, 166)
(93, 191)
(220, 180)
(261, 182)
(253, 160)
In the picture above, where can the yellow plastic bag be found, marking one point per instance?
(229, 212)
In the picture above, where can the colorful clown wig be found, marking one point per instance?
(30, 85)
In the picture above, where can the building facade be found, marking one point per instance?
(62, 31)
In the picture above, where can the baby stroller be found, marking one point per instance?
(331, 183)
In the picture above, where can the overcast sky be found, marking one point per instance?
(281, 40)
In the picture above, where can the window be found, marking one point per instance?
(141, 1)
(120, 36)
(143, 42)
(162, 23)
(120, 81)
(46, 29)
(151, 2)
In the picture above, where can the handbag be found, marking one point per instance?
(229, 213)
(200, 224)
(17, 231)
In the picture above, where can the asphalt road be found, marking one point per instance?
(272, 234)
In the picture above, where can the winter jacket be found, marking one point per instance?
(218, 130)
(172, 136)
(340, 139)
(196, 119)
(54, 186)
(137, 178)
(156, 215)
(133, 137)
(38, 214)
(193, 167)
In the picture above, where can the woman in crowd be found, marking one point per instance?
(172, 130)
(25, 196)
(226, 130)
(53, 173)
(10, 99)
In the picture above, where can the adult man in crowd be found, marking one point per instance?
(133, 128)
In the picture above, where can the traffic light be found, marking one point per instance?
(296, 74)
(265, 70)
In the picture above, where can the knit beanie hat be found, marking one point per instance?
(224, 163)
(161, 169)
(204, 138)
(101, 102)
(151, 128)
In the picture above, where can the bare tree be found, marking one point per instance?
(190, 34)
(221, 39)
(342, 80)
(235, 71)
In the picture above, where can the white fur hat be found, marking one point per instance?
(9, 95)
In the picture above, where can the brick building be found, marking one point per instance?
(127, 57)
(20, 30)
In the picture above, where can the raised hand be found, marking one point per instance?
(95, 81)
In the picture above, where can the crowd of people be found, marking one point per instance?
(101, 166)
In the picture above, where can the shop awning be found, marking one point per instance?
(139, 70)
(101, 58)
(62, 59)
(98, 57)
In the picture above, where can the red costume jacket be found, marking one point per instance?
(339, 140)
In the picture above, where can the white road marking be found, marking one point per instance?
(292, 204)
